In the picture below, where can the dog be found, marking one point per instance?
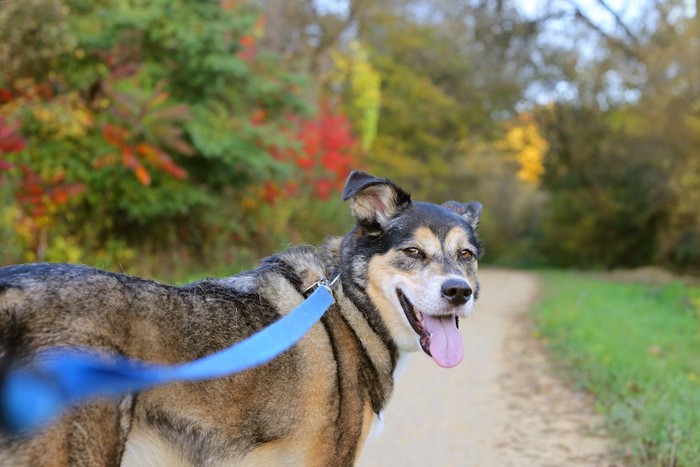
(407, 273)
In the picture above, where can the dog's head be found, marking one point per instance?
(414, 262)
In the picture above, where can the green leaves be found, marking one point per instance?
(233, 146)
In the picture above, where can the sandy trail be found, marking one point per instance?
(502, 406)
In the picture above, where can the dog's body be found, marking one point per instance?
(407, 271)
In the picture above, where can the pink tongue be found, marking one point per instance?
(445, 341)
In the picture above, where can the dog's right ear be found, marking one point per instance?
(471, 211)
(374, 200)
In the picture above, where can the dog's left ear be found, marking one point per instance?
(374, 200)
(470, 211)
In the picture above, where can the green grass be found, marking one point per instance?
(636, 347)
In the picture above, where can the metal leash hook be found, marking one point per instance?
(323, 282)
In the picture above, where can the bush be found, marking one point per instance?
(141, 119)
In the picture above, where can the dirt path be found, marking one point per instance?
(502, 406)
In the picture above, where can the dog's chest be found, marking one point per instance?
(145, 447)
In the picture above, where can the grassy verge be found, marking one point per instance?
(636, 347)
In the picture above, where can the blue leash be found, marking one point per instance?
(31, 398)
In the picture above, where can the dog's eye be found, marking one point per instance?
(466, 254)
(413, 252)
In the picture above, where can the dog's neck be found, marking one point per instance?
(381, 352)
(330, 253)
(299, 269)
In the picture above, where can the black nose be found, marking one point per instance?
(456, 291)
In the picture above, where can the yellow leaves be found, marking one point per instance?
(9, 215)
(364, 84)
(528, 146)
(83, 118)
(248, 203)
(63, 117)
(64, 249)
(693, 119)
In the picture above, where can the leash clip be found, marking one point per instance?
(323, 282)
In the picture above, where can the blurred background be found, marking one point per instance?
(177, 139)
(168, 137)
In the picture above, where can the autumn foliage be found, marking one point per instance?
(160, 123)
(10, 140)
(143, 130)
(223, 130)
(325, 152)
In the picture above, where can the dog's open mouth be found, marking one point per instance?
(439, 336)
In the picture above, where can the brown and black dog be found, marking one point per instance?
(407, 273)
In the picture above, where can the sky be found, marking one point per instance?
(627, 9)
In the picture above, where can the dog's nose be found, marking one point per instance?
(456, 291)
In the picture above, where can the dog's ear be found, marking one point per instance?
(374, 200)
(470, 211)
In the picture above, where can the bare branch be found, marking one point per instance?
(619, 22)
(330, 38)
(630, 51)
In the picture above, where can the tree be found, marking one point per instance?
(635, 171)
(607, 190)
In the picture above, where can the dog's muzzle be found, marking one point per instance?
(438, 335)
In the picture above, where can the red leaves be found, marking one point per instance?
(270, 192)
(5, 96)
(39, 200)
(323, 188)
(36, 195)
(327, 155)
(133, 155)
(329, 141)
(306, 163)
(118, 137)
(229, 4)
(161, 159)
(115, 135)
(249, 49)
(10, 140)
(330, 148)
(104, 161)
(258, 117)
